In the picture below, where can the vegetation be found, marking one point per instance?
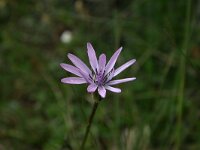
(158, 111)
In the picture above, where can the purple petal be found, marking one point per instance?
(114, 82)
(102, 91)
(112, 89)
(102, 62)
(123, 67)
(78, 63)
(71, 69)
(92, 57)
(73, 80)
(110, 75)
(112, 60)
(92, 88)
(85, 76)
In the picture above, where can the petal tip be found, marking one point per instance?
(91, 88)
(120, 49)
(62, 80)
(133, 60)
(88, 90)
(103, 96)
(102, 92)
(118, 91)
(69, 55)
(61, 65)
(88, 43)
(133, 79)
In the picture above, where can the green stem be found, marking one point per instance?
(95, 106)
(182, 70)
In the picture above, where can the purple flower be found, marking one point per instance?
(101, 75)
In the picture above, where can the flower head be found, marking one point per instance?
(101, 75)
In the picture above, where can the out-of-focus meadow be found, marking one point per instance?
(159, 111)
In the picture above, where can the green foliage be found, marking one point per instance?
(160, 110)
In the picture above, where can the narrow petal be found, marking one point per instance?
(112, 89)
(92, 88)
(124, 66)
(114, 82)
(79, 64)
(71, 69)
(113, 60)
(102, 62)
(73, 80)
(110, 75)
(102, 91)
(92, 56)
(85, 76)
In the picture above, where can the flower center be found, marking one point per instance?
(100, 78)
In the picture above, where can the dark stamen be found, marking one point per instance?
(90, 76)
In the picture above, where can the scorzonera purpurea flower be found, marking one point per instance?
(101, 75)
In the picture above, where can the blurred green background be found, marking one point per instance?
(158, 111)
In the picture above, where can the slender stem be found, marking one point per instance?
(182, 76)
(95, 106)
